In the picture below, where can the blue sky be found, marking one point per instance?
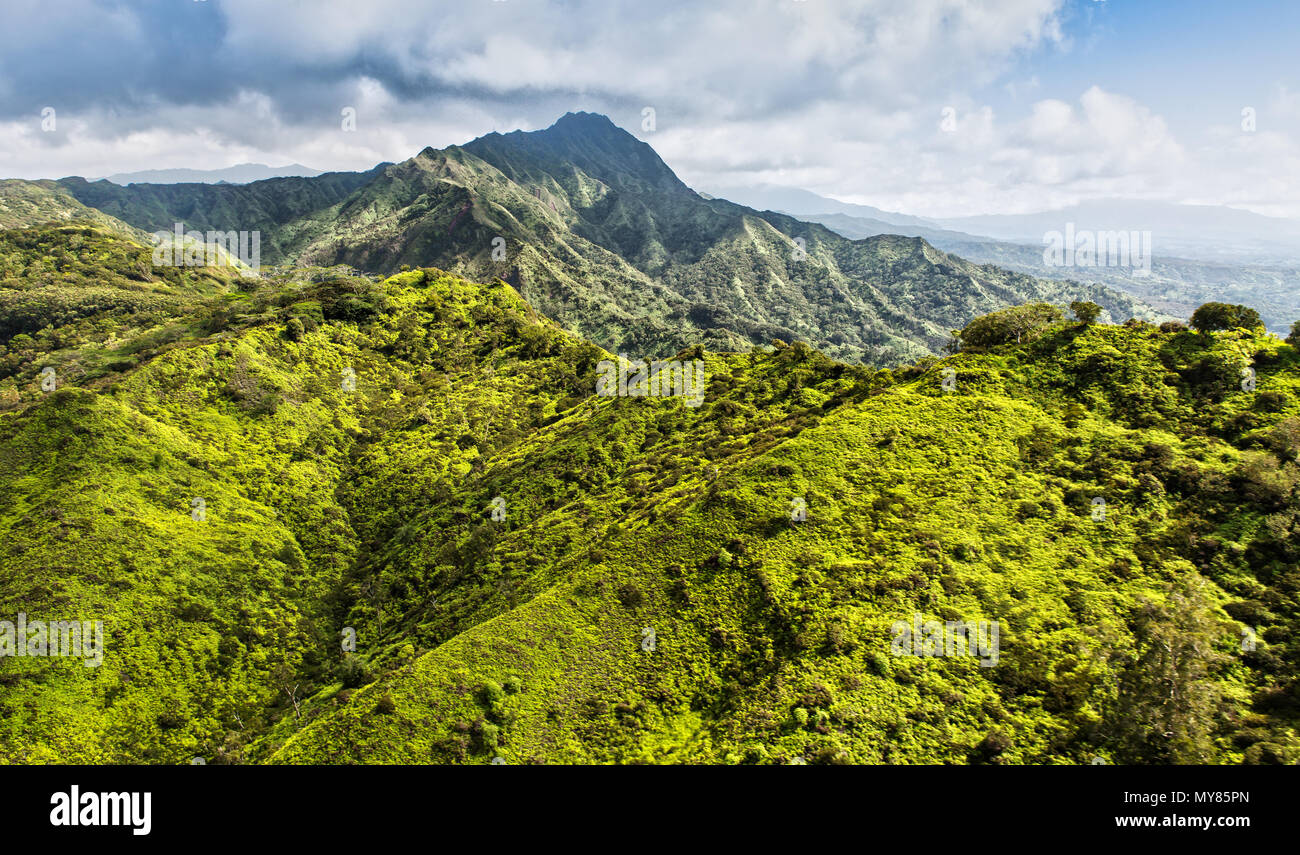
(934, 107)
(1189, 57)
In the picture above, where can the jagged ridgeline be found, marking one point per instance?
(597, 233)
(243, 479)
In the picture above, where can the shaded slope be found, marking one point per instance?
(218, 625)
(268, 206)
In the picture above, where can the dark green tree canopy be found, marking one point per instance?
(1212, 317)
(1012, 325)
(1086, 311)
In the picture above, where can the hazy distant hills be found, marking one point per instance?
(799, 202)
(1213, 233)
(598, 233)
(1175, 285)
(240, 173)
(1204, 232)
(1201, 253)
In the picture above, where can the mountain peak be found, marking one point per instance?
(589, 141)
(586, 122)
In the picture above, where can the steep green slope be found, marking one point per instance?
(773, 637)
(533, 572)
(597, 233)
(190, 506)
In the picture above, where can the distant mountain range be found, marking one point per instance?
(1214, 233)
(1205, 232)
(240, 173)
(1175, 286)
(599, 233)
(1201, 253)
(798, 202)
(596, 232)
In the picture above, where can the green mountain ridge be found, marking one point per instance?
(535, 573)
(597, 233)
(267, 206)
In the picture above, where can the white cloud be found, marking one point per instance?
(844, 97)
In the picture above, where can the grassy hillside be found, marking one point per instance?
(772, 637)
(24, 204)
(642, 592)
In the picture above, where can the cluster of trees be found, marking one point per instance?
(1017, 324)
(1013, 325)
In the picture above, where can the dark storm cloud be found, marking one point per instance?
(83, 55)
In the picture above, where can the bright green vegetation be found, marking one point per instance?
(31, 203)
(597, 233)
(88, 302)
(525, 637)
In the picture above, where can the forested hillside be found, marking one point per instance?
(241, 477)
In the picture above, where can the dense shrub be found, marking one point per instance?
(1010, 326)
(1086, 312)
(353, 671)
(1212, 317)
